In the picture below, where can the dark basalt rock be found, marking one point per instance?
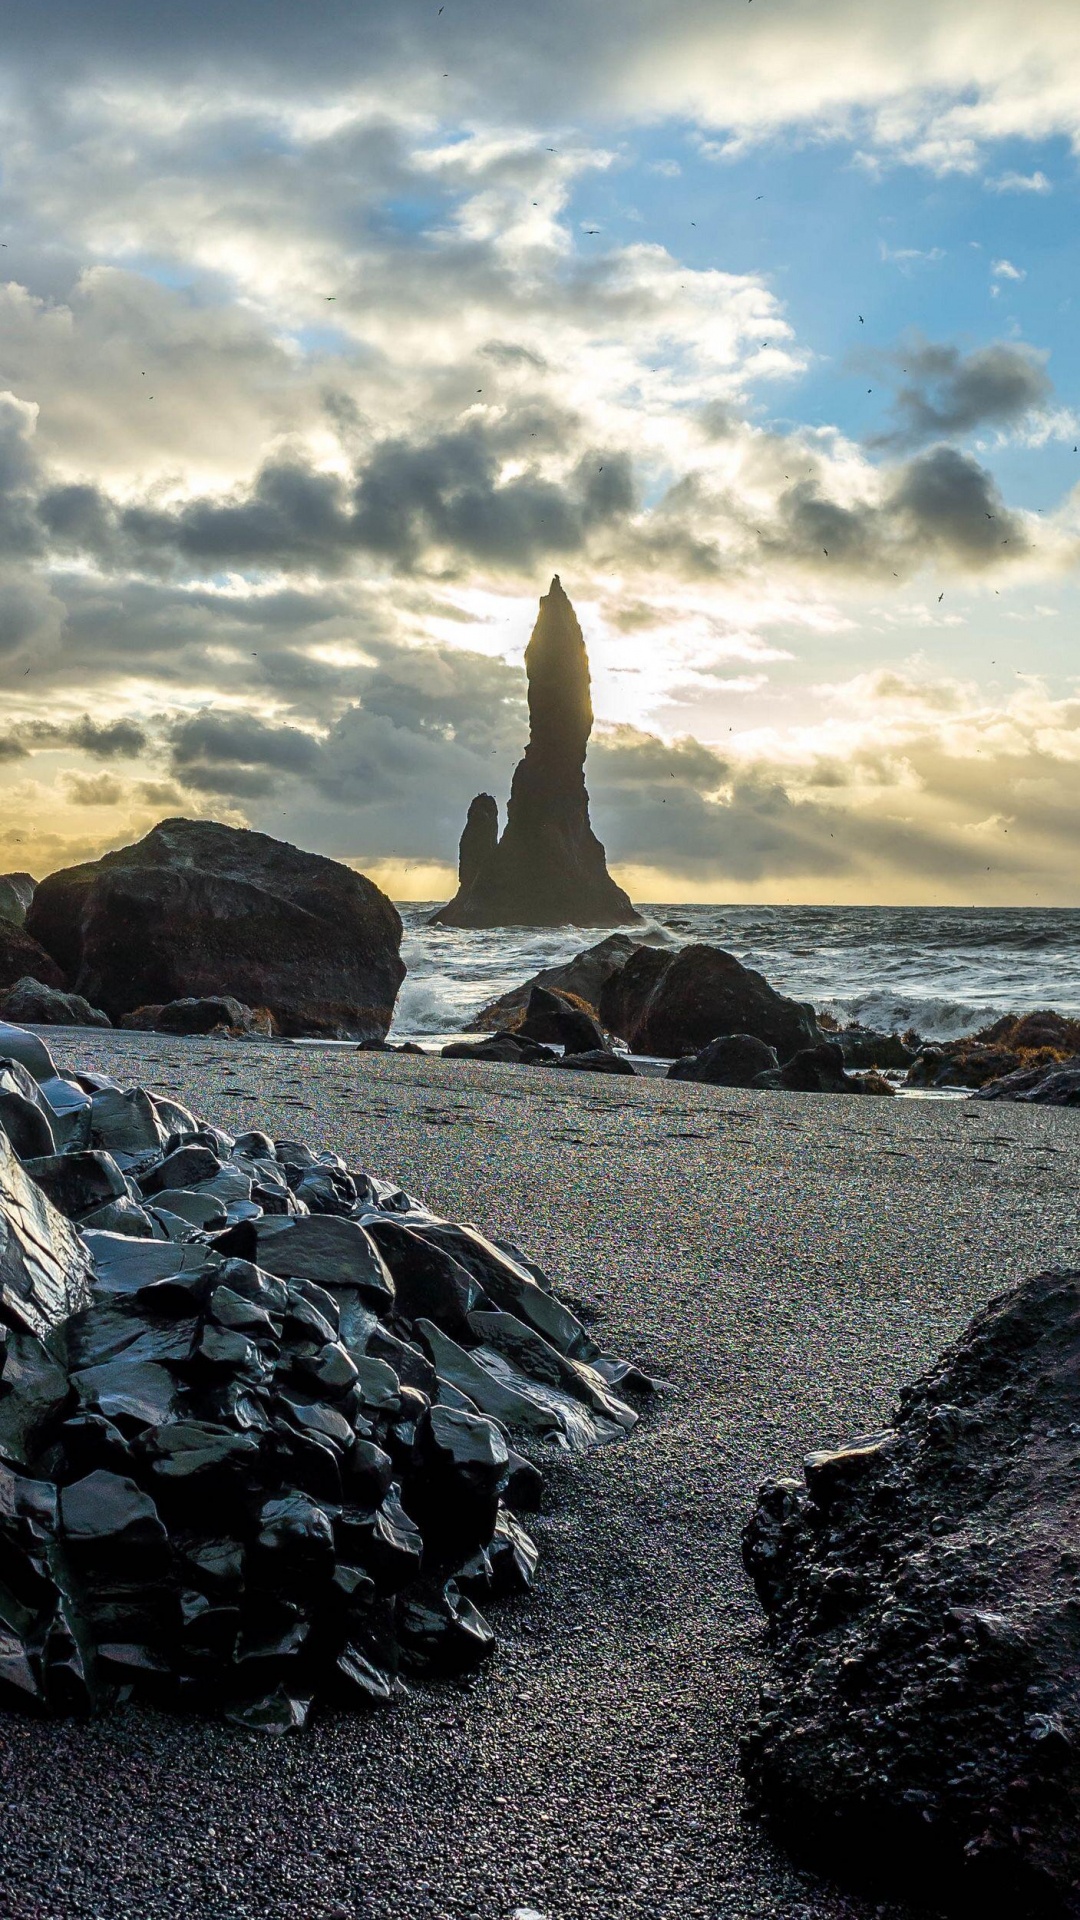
(16, 893)
(31, 1001)
(863, 1047)
(508, 1048)
(44, 1270)
(22, 958)
(1054, 1085)
(243, 1471)
(1017, 1043)
(549, 868)
(197, 909)
(600, 1061)
(675, 1004)
(555, 1022)
(216, 1013)
(923, 1723)
(584, 977)
(77, 1183)
(820, 1069)
(735, 1060)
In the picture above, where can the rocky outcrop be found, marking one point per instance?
(584, 977)
(31, 1003)
(1054, 1085)
(16, 893)
(675, 1004)
(549, 868)
(21, 958)
(1016, 1043)
(258, 1415)
(200, 910)
(923, 1592)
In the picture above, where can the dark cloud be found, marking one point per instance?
(108, 740)
(945, 392)
(237, 754)
(940, 507)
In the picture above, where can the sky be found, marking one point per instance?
(329, 333)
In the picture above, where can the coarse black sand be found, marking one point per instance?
(786, 1261)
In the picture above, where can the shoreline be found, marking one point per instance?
(787, 1262)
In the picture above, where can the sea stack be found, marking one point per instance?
(548, 869)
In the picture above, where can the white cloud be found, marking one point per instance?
(1036, 182)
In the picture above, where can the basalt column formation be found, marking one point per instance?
(549, 868)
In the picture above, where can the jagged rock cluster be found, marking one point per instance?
(265, 1421)
(194, 911)
(548, 869)
(923, 1592)
(1029, 1043)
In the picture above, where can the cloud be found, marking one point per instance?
(1036, 182)
(944, 391)
(1002, 271)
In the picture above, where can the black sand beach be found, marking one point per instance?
(786, 1262)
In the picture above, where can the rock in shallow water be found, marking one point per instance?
(242, 1471)
(923, 1591)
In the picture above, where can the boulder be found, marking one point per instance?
(216, 1013)
(734, 1060)
(1053, 1085)
(16, 893)
(22, 958)
(820, 1069)
(675, 1004)
(602, 1060)
(583, 977)
(36, 1005)
(922, 1721)
(504, 1047)
(197, 909)
(863, 1047)
(555, 1022)
(548, 869)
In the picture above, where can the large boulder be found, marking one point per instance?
(21, 958)
(584, 976)
(923, 1718)
(674, 1004)
(30, 1002)
(16, 893)
(197, 909)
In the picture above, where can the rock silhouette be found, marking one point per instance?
(197, 910)
(548, 869)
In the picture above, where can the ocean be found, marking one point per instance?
(943, 970)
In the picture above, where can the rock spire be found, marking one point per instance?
(548, 869)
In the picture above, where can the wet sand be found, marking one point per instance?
(786, 1261)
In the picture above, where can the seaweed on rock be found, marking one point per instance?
(260, 1413)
